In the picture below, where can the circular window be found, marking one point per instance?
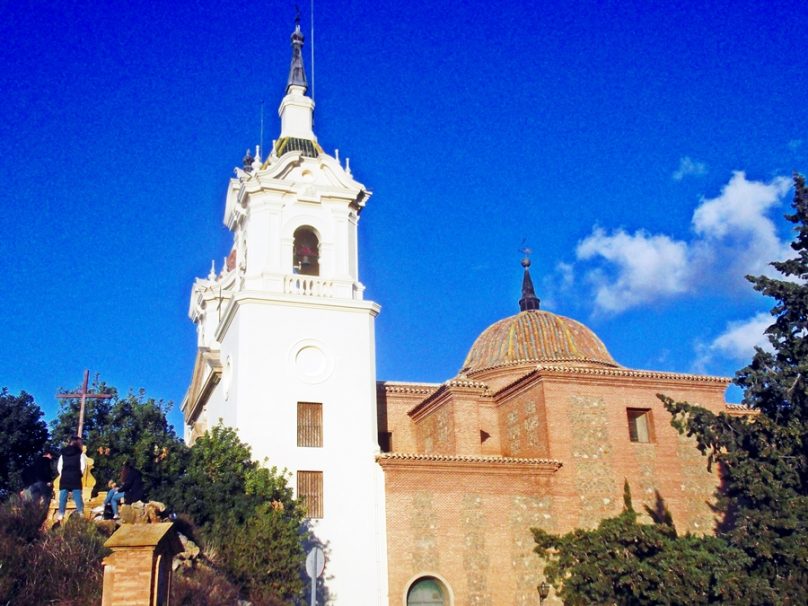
(310, 361)
(427, 591)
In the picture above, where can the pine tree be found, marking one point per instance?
(629, 563)
(764, 456)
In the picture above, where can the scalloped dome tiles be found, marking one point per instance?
(533, 337)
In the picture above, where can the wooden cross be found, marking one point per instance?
(83, 395)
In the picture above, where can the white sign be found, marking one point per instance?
(315, 562)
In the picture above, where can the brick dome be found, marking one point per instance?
(536, 336)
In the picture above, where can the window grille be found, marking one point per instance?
(310, 492)
(309, 424)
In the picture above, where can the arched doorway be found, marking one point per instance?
(427, 591)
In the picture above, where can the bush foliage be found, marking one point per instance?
(62, 565)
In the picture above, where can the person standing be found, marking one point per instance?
(71, 466)
(38, 478)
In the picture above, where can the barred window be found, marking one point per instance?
(310, 492)
(309, 424)
(640, 428)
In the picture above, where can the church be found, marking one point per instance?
(422, 493)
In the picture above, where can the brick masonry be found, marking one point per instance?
(461, 500)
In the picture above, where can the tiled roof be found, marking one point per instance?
(533, 337)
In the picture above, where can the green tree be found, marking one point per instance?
(629, 563)
(24, 435)
(764, 457)
(134, 427)
(246, 515)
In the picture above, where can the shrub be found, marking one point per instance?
(202, 586)
(62, 565)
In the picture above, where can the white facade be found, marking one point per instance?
(284, 323)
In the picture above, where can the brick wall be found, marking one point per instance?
(468, 522)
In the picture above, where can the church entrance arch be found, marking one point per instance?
(427, 591)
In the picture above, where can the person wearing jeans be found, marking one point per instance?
(71, 466)
(131, 488)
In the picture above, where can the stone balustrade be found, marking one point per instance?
(312, 286)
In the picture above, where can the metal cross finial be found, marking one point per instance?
(83, 395)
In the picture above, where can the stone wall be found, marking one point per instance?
(468, 526)
(592, 455)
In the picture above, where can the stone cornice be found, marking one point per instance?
(639, 374)
(475, 464)
(589, 374)
(400, 387)
(207, 374)
(434, 400)
(740, 410)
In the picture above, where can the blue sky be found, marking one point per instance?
(643, 153)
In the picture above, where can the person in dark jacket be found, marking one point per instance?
(71, 466)
(131, 488)
(38, 478)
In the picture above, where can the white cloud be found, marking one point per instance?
(647, 267)
(737, 342)
(557, 284)
(566, 271)
(736, 229)
(733, 236)
(739, 339)
(689, 167)
(741, 206)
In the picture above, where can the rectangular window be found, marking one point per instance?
(309, 424)
(640, 428)
(310, 492)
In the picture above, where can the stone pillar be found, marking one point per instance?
(138, 572)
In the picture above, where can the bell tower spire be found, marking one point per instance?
(297, 110)
(297, 73)
(529, 300)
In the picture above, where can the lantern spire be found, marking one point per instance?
(529, 300)
(297, 73)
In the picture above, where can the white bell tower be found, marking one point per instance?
(286, 345)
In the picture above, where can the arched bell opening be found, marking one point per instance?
(306, 252)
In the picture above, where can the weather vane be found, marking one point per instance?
(526, 251)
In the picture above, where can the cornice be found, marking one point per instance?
(740, 410)
(400, 387)
(264, 298)
(434, 400)
(476, 464)
(202, 384)
(615, 374)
